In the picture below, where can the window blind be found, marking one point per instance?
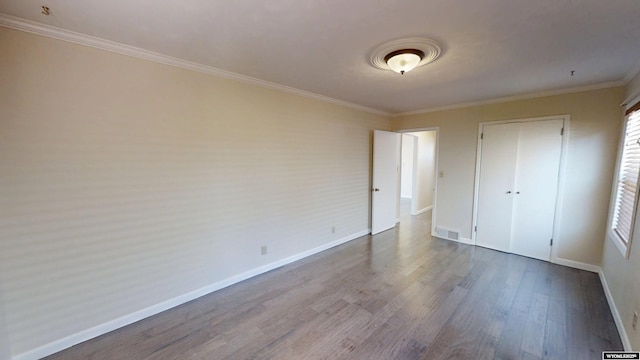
(628, 179)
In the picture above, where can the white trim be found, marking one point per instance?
(476, 185)
(614, 311)
(562, 171)
(16, 23)
(576, 265)
(610, 235)
(74, 339)
(533, 95)
(33, 27)
(460, 239)
(631, 100)
(632, 73)
(615, 238)
(422, 211)
(464, 241)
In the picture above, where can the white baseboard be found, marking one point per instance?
(77, 338)
(423, 210)
(464, 241)
(460, 240)
(607, 292)
(588, 267)
(576, 265)
(614, 311)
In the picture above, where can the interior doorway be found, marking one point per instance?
(418, 173)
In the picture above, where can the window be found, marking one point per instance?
(626, 187)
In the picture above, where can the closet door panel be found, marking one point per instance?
(495, 195)
(536, 188)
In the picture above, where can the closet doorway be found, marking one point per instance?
(518, 173)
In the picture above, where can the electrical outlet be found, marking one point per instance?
(634, 322)
(263, 250)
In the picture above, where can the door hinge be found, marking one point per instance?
(551, 242)
(561, 131)
(481, 136)
(475, 228)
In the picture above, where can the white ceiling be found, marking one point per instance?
(491, 48)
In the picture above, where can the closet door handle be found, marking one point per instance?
(509, 192)
(517, 192)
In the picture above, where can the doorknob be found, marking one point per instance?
(509, 192)
(375, 189)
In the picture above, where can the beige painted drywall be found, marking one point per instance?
(126, 183)
(592, 147)
(623, 275)
(406, 166)
(425, 172)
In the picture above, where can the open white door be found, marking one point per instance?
(384, 190)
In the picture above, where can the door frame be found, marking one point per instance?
(561, 175)
(436, 172)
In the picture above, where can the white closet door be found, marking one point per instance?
(495, 196)
(536, 188)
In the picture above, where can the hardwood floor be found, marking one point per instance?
(398, 295)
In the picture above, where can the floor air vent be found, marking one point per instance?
(447, 234)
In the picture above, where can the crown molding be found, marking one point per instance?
(33, 27)
(533, 95)
(29, 26)
(631, 100)
(632, 73)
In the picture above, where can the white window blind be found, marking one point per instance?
(627, 187)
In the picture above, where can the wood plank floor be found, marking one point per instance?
(397, 295)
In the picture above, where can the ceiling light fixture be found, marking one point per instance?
(405, 55)
(403, 60)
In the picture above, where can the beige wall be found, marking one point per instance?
(623, 275)
(406, 166)
(425, 174)
(592, 147)
(127, 183)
